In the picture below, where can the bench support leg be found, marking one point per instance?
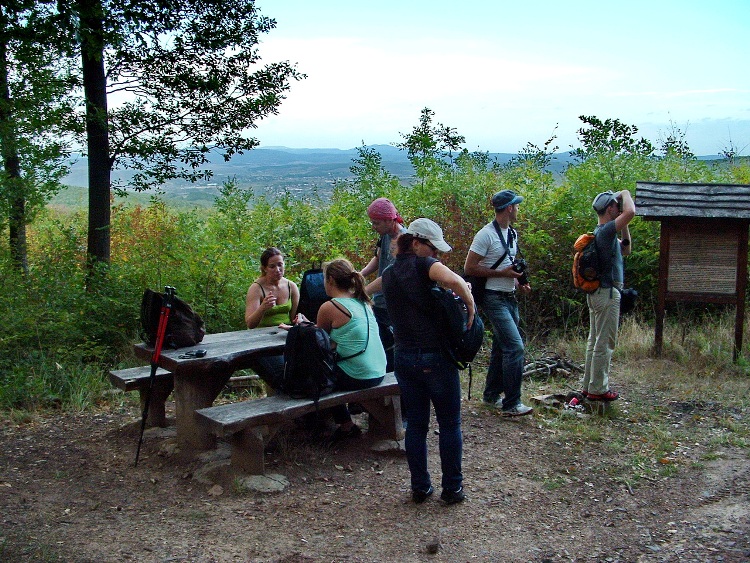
(248, 449)
(385, 417)
(156, 407)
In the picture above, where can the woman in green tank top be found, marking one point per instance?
(271, 300)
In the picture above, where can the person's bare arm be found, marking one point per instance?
(295, 299)
(375, 286)
(372, 265)
(325, 316)
(628, 210)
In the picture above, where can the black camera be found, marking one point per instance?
(519, 266)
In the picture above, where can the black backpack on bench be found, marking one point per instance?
(310, 361)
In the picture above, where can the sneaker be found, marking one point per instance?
(608, 396)
(340, 434)
(496, 404)
(453, 497)
(519, 410)
(420, 496)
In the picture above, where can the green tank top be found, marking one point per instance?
(278, 313)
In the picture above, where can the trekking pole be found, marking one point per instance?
(166, 307)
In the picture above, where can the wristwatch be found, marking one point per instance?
(626, 242)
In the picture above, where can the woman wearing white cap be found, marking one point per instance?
(424, 373)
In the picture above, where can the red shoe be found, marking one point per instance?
(608, 396)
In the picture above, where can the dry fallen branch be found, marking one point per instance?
(551, 365)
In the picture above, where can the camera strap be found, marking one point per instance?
(506, 244)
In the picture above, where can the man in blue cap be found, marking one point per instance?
(492, 255)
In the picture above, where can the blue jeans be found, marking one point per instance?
(270, 369)
(426, 376)
(505, 372)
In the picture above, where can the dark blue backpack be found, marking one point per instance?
(312, 293)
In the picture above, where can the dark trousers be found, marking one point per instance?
(385, 329)
(346, 383)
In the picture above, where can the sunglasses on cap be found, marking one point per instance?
(427, 243)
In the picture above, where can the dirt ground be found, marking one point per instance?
(69, 492)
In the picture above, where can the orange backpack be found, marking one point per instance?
(586, 263)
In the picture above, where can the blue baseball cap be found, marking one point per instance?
(503, 199)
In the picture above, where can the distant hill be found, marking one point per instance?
(270, 170)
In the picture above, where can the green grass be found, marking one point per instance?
(677, 411)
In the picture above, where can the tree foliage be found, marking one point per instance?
(37, 115)
(167, 84)
(212, 256)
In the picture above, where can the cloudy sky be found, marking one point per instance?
(507, 73)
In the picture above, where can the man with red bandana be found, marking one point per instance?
(387, 222)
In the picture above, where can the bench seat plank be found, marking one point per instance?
(248, 425)
(134, 379)
(138, 379)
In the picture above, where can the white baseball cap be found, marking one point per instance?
(429, 230)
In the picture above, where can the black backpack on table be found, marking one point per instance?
(184, 326)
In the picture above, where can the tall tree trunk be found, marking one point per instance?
(13, 189)
(17, 225)
(97, 129)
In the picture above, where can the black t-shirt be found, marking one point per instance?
(406, 286)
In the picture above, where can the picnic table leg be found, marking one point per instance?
(385, 417)
(192, 392)
(157, 415)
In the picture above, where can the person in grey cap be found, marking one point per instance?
(425, 374)
(615, 211)
(491, 255)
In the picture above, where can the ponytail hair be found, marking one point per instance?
(403, 243)
(346, 278)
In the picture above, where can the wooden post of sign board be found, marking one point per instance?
(703, 246)
(703, 260)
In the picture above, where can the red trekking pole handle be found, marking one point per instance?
(161, 331)
(166, 307)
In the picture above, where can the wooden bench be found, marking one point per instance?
(249, 425)
(137, 378)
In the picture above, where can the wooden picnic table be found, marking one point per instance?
(198, 381)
